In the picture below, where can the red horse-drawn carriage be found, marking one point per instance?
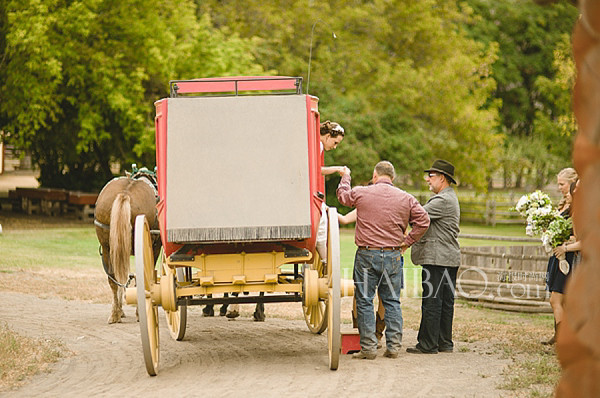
(240, 195)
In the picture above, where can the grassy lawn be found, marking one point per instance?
(49, 248)
(516, 231)
(499, 229)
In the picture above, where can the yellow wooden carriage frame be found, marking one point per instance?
(320, 290)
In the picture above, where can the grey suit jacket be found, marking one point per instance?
(439, 245)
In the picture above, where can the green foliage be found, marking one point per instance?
(480, 83)
(401, 77)
(83, 76)
(535, 77)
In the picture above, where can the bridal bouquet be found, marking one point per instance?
(558, 232)
(545, 221)
(537, 208)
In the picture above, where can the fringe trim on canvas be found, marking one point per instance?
(238, 234)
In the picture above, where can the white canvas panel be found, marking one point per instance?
(237, 168)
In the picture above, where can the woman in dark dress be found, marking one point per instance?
(555, 278)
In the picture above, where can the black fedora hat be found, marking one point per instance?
(444, 167)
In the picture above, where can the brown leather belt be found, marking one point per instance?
(378, 248)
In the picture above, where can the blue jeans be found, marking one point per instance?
(378, 270)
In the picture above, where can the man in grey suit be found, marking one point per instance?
(439, 254)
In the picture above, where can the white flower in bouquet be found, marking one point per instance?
(532, 201)
(523, 205)
(529, 229)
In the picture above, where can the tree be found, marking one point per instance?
(401, 77)
(527, 35)
(79, 78)
(554, 123)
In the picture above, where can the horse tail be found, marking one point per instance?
(120, 236)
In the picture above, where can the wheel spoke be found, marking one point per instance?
(313, 315)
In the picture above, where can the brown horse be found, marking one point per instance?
(119, 203)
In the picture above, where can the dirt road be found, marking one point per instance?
(279, 357)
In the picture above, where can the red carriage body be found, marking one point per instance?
(226, 112)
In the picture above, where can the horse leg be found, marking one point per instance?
(121, 294)
(209, 309)
(117, 310)
(223, 310)
(259, 311)
(234, 309)
(117, 304)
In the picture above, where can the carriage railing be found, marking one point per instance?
(236, 86)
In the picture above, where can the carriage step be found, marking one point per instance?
(350, 341)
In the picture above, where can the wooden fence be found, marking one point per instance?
(50, 202)
(495, 208)
(511, 278)
(489, 212)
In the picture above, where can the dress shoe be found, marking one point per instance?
(390, 354)
(232, 314)
(415, 350)
(364, 355)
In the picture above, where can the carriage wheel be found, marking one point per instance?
(316, 315)
(145, 280)
(334, 338)
(176, 320)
